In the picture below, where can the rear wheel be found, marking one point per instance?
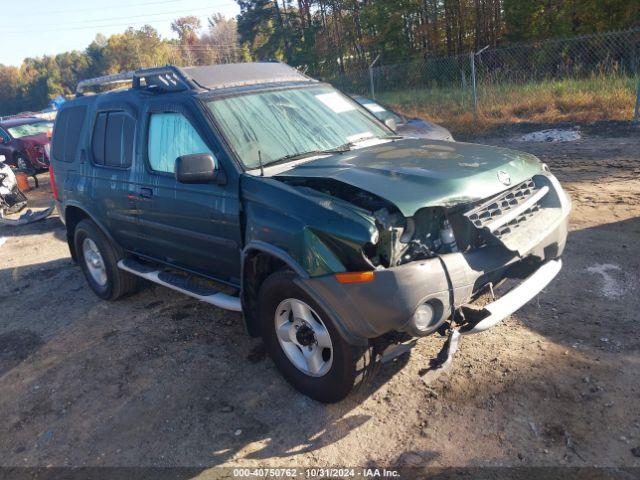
(304, 343)
(99, 262)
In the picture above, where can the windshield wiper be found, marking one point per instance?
(299, 156)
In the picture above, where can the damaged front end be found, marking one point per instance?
(399, 239)
(429, 265)
(514, 220)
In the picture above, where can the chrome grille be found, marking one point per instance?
(516, 222)
(490, 212)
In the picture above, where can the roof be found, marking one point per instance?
(16, 121)
(212, 77)
(230, 75)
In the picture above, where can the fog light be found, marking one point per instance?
(423, 318)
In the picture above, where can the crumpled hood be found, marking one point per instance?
(418, 173)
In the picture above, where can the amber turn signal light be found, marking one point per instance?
(355, 277)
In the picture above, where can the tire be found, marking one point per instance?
(344, 366)
(22, 163)
(114, 283)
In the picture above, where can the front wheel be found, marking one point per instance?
(304, 343)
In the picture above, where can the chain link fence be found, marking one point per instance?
(584, 77)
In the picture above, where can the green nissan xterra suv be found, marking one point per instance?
(257, 189)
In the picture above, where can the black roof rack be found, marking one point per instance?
(173, 79)
(163, 79)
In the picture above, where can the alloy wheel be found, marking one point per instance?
(94, 262)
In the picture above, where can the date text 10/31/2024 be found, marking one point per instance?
(315, 473)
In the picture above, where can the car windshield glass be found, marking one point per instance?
(285, 124)
(29, 129)
(379, 111)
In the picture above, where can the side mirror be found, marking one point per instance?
(1, 139)
(391, 123)
(197, 168)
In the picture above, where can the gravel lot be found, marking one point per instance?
(158, 379)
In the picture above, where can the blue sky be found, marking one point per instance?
(32, 28)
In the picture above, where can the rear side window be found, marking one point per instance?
(66, 136)
(112, 143)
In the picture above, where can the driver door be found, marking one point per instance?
(187, 225)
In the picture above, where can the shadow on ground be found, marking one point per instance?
(154, 379)
(158, 379)
(597, 293)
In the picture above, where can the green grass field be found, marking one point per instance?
(571, 100)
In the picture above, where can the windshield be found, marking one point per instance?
(280, 124)
(29, 129)
(379, 111)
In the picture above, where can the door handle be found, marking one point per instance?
(146, 193)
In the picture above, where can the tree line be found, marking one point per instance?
(323, 37)
(329, 36)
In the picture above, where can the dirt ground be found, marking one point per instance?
(158, 379)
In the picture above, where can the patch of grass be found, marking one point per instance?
(550, 101)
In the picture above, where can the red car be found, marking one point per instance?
(24, 141)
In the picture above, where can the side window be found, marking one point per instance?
(171, 136)
(97, 141)
(4, 135)
(113, 139)
(66, 134)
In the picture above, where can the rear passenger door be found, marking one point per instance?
(114, 192)
(194, 226)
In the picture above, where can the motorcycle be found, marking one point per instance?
(13, 201)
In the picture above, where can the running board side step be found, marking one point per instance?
(182, 285)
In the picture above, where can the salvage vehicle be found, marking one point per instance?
(257, 189)
(25, 143)
(403, 125)
(12, 200)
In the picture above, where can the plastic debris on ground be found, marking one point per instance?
(28, 217)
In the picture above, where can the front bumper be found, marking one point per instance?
(516, 298)
(368, 310)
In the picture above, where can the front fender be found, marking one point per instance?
(320, 233)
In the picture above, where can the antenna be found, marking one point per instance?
(260, 163)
